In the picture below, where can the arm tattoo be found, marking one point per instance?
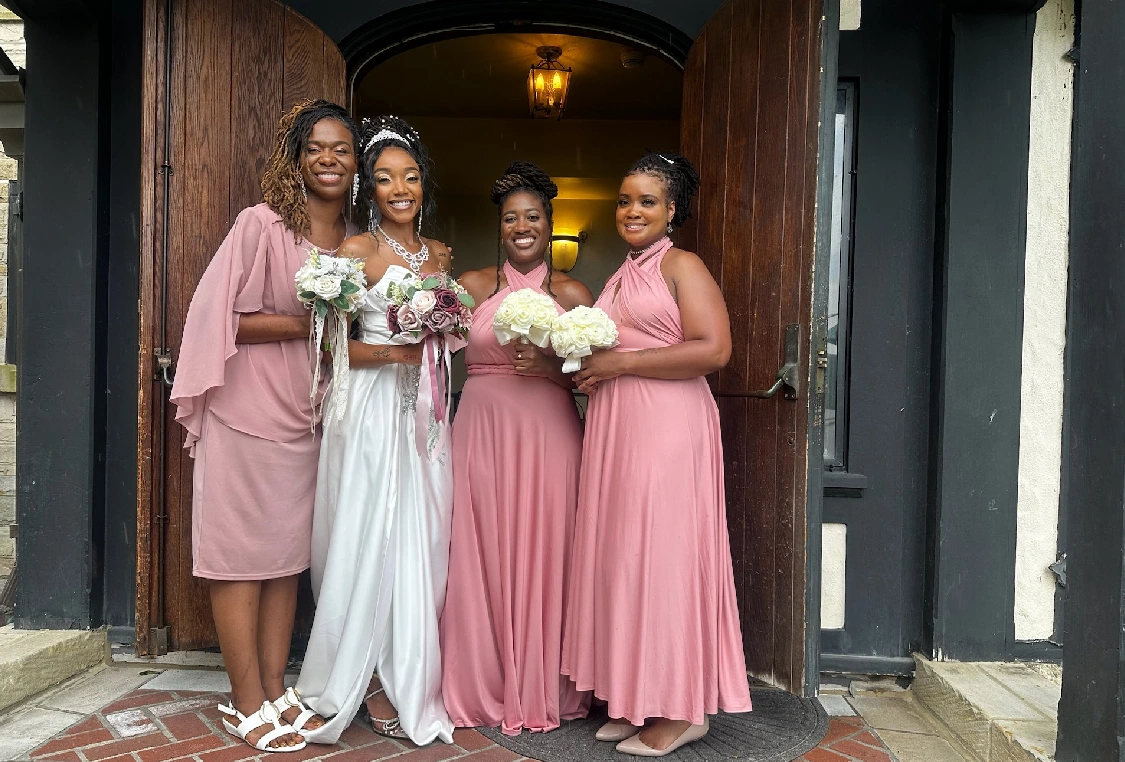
(381, 353)
(646, 352)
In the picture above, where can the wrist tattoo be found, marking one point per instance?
(381, 353)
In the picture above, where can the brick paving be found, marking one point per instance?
(185, 726)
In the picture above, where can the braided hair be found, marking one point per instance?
(681, 181)
(369, 152)
(282, 186)
(524, 177)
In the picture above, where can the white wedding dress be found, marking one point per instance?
(380, 551)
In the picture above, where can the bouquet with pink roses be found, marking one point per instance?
(436, 311)
(437, 304)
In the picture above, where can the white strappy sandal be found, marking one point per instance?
(391, 728)
(267, 715)
(292, 700)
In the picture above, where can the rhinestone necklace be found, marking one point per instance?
(414, 260)
(637, 256)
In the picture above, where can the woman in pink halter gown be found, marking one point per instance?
(517, 445)
(652, 621)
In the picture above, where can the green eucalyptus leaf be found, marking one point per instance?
(340, 302)
(321, 309)
(430, 283)
(347, 287)
(308, 295)
(467, 300)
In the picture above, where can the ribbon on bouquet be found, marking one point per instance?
(434, 395)
(335, 321)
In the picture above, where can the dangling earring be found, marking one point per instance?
(669, 228)
(301, 180)
(373, 219)
(418, 228)
(355, 188)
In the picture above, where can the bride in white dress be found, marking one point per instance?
(381, 520)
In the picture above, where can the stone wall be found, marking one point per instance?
(12, 42)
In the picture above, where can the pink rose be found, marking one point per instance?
(439, 321)
(408, 319)
(447, 301)
(466, 317)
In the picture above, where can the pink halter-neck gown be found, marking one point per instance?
(517, 445)
(652, 621)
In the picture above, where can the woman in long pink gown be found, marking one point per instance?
(242, 392)
(652, 621)
(517, 445)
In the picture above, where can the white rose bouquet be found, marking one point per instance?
(332, 287)
(577, 333)
(525, 314)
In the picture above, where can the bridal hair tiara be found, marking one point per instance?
(384, 134)
(388, 134)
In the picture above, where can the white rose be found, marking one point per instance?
(306, 281)
(326, 287)
(423, 302)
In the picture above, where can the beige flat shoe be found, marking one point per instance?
(638, 748)
(617, 730)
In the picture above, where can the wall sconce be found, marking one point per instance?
(564, 250)
(548, 84)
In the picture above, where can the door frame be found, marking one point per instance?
(413, 26)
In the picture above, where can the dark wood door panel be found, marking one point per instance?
(235, 68)
(751, 105)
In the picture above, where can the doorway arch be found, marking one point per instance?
(407, 28)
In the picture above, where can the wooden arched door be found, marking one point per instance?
(234, 68)
(751, 109)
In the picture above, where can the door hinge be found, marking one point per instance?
(158, 640)
(1059, 570)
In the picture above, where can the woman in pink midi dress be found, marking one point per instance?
(652, 621)
(242, 392)
(517, 446)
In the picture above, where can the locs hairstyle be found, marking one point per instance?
(281, 182)
(369, 153)
(523, 176)
(680, 179)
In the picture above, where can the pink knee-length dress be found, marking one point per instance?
(652, 621)
(517, 446)
(247, 410)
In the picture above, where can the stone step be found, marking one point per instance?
(1000, 712)
(34, 660)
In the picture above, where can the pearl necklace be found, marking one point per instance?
(414, 260)
(638, 255)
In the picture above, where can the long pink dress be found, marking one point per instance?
(517, 445)
(652, 622)
(247, 411)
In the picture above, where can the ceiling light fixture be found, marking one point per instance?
(548, 84)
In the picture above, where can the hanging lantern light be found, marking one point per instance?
(548, 84)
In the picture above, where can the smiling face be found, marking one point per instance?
(524, 228)
(643, 210)
(398, 185)
(328, 161)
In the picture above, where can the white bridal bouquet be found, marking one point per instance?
(575, 334)
(525, 314)
(332, 287)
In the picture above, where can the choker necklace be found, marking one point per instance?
(647, 250)
(414, 260)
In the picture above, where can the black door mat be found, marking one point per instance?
(781, 728)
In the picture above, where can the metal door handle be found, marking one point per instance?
(787, 376)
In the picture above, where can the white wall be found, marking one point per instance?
(1044, 327)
